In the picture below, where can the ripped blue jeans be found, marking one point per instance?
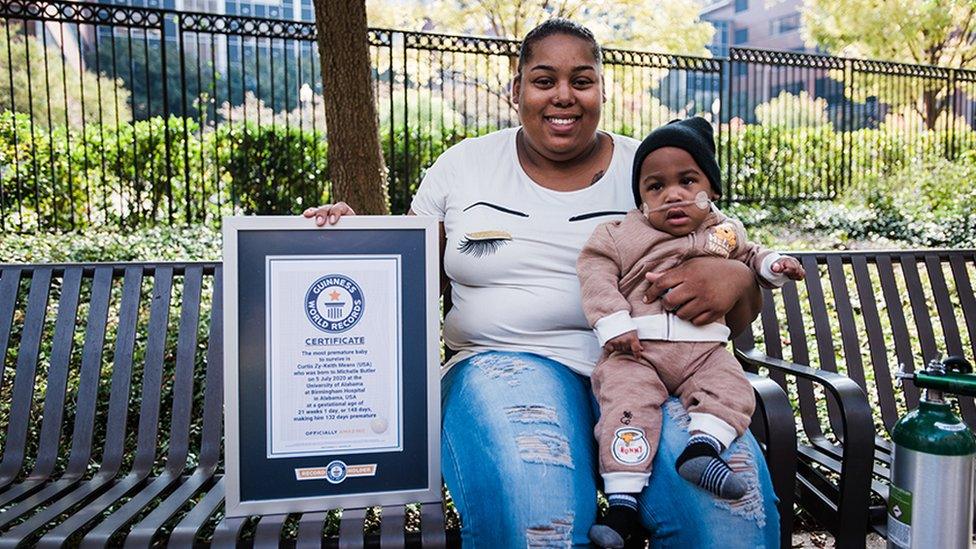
(520, 460)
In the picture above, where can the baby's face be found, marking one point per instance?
(670, 175)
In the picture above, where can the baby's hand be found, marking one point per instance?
(790, 266)
(624, 343)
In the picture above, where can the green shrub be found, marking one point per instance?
(271, 169)
(924, 204)
(162, 243)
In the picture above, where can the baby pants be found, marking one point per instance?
(704, 375)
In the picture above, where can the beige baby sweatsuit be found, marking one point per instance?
(678, 357)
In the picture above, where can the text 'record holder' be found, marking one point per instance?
(331, 363)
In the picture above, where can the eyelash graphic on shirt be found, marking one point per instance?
(483, 243)
(497, 207)
(591, 215)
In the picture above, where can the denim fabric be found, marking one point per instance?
(521, 463)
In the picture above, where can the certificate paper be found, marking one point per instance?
(333, 362)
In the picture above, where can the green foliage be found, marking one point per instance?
(37, 79)
(162, 243)
(149, 171)
(272, 169)
(926, 204)
(793, 111)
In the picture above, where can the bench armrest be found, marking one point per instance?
(858, 437)
(773, 426)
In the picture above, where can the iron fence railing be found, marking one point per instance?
(127, 116)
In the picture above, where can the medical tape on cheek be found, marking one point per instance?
(701, 201)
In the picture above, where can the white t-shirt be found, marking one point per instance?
(512, 247)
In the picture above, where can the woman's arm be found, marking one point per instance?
(706, 289)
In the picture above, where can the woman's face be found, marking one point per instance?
(559, 97)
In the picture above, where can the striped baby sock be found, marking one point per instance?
(701, 464)
(619, 523)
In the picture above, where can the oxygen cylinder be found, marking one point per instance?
(930, 501)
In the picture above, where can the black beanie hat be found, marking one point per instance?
(695, 136)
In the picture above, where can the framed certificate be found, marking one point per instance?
(331, 363)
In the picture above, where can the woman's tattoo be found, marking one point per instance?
(597, 177)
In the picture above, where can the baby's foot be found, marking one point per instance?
(701, 464)
(619, 523)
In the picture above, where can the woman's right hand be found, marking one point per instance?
(328, 213)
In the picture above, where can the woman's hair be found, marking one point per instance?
(552, 27)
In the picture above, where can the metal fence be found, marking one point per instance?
(128, 116)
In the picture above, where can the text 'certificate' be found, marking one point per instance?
(333, 365)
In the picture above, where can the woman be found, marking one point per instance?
(516, 207)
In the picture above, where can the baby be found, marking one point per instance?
(649, 352)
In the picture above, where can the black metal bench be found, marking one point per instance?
(861, 314)
(111, 424)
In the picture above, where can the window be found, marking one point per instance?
(741, 36)
(741, 5)
(784, 24)
(720, 40)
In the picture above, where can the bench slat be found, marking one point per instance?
(24, 379)
(392, 527)
(213, 398)
(225, 535)
(186, 531)
(310, 528)
(964, 288)
(875, 340)
(772, 340)
(432, 525)
(125, 341)
(845, 317)
(186, 348)
(920, 309)
(351, 528)
(899, 327)
(9, 284)
(800, 355)
(823, 335)
(152, 372)
(91, 365)
(57, 375)
(269, 531)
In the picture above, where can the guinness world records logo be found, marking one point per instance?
(335, 472)
(334, 303)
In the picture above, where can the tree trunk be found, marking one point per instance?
(932, 107)
(356, 165)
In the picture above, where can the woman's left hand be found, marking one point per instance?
(328, 212)
(702, 290)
